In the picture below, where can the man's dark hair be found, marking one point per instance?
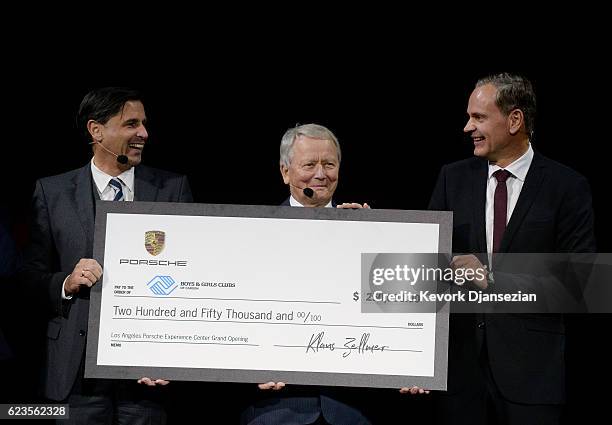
(514, 92)
(102, 104)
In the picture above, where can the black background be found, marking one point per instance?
(217, 115)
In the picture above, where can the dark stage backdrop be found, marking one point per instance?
(398, 119)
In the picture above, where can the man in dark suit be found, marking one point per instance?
(58, 261)
(309, 164)
(508, 199)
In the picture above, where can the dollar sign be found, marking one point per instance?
(356, 296)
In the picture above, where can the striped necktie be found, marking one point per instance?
(118, 188)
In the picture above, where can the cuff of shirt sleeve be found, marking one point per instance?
(64, 296)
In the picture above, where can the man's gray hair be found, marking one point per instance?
(314, 131)
(514, 92)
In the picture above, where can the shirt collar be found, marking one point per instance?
(101, 178)
(518, 168)
(294, 203)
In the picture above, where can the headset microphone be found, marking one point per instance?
(308, 192)
(121, 159)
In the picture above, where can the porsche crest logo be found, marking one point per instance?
(154, 241)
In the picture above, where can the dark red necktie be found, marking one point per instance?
(500, 207)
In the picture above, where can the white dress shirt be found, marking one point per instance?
(519, 169)
(106, 192)
(294, 203)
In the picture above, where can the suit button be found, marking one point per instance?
(481, 325)
(82, 332)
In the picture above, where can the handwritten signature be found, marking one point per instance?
(317, 344)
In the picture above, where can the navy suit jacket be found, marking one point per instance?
(303, 404)
(62, 233)
(553, 215)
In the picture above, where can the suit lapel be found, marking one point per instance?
(84, 200)
(528, 194)
(145, 188)
(479, 195)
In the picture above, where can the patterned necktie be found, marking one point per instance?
(118, 188)
(500, 207)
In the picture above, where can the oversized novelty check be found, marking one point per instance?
(235, 293)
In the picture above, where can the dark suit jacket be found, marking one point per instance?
(302, 404)
(553, 215)
(62, 233)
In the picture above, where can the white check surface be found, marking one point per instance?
(304, 272)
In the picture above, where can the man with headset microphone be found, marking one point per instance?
(58, 262)
(309, 164)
